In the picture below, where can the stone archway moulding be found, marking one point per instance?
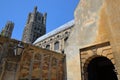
(88, 53)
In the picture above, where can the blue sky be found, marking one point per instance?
(58, 13)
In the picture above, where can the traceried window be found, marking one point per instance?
(48, 47)
(56, 45)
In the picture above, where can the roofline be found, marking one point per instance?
(55, 31)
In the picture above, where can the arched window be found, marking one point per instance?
(48, 47)
(58, 36)
(65, 40)
(56, 45)
(66, 32)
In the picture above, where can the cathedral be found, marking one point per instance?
(86, 48)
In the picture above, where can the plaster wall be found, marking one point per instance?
(96, 21)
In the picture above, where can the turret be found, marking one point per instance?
(35, 9)
(45, 17)
(8, 29)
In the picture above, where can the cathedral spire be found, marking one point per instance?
(35, 9)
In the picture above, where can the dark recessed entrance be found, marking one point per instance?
(101, 68)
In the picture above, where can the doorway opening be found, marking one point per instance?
(101, 68)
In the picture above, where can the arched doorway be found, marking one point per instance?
(101, 68)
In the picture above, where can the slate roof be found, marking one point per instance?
(57, 30)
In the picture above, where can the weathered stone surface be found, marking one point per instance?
(96, 21)
(34, 63)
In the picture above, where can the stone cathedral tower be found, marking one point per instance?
(8, 29)
(35, 26)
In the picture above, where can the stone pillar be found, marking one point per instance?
(57, 70)
(41, 66)
(31, 67)
(49, 75)
(52, 46)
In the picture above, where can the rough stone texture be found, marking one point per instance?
(95, 51)
(35, 26)
(33, 64)
(96, 21)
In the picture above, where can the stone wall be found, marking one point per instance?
(96, 21)
(33, 63)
